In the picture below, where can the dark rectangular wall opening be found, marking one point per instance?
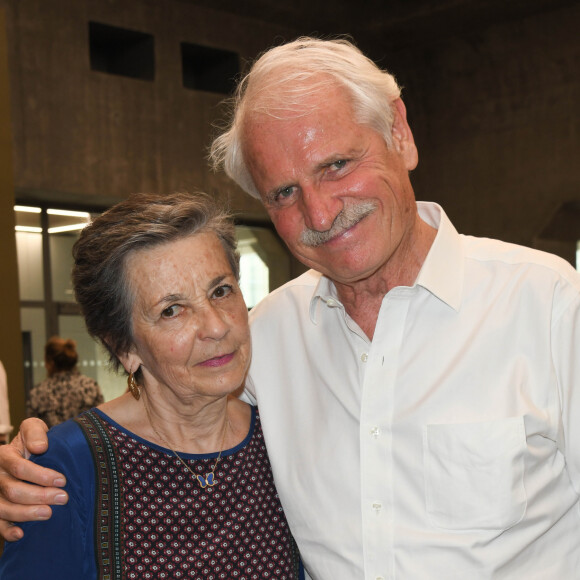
(209, 69)
(120, 51)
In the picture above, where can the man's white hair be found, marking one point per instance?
(283, 77)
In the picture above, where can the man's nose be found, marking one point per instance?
(320, 206)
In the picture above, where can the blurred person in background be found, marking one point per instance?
(65, 392)
(5, 426)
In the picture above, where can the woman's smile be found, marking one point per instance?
(218, 361)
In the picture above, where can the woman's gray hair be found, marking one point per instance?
(142, 221)
(283, 76)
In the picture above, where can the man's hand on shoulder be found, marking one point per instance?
(20, 501)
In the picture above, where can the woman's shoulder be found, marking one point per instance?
(68, 451)
(68, 434)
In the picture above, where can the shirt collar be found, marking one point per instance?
(441, 273)
(324, 294)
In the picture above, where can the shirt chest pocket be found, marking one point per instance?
(474, 474)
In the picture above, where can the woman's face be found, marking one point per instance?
(190, 322)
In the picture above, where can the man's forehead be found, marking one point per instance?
(289, 101)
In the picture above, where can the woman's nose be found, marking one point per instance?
(213, 324)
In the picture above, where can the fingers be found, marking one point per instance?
(14, 467)
(10, 532)
(32, 437)
(19, 493)
(11, 512)
(8, 529)
(21, 501)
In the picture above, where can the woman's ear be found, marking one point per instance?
(130, 361)
(403, 140)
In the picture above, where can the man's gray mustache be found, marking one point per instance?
(348, 217)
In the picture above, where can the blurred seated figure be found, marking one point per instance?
(65, 392)
(5, 426)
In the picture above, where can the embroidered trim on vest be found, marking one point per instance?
(108, 554)
(296, 560)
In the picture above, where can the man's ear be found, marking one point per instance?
(403, 141)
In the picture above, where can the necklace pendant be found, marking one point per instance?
(208, 480)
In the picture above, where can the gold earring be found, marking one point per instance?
(134, 388)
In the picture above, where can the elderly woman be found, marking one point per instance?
(172, 479)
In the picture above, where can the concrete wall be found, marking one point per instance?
(82, 135)
(495, 116)
(10, 343)
(86, 138)
(493, 109)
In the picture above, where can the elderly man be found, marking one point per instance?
(417, 387)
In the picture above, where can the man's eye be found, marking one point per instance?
(339, 164)
(286, 191)
(222, 291)
(284, 194)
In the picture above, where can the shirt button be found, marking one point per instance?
(364, 357)
(380, 578)
(377, 506)
(375, 432)
(332, 303)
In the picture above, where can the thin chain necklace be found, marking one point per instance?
(209, 479)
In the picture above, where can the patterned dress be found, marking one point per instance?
(152, 519)
(62, 396)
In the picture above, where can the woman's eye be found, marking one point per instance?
(170, 311)
(222, 291)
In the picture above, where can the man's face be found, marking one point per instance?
(338, 196)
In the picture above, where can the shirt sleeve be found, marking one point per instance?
(566, 357)
(62, 547)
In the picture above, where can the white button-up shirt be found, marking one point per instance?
(449, 446)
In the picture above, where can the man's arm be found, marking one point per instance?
(20, 501)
